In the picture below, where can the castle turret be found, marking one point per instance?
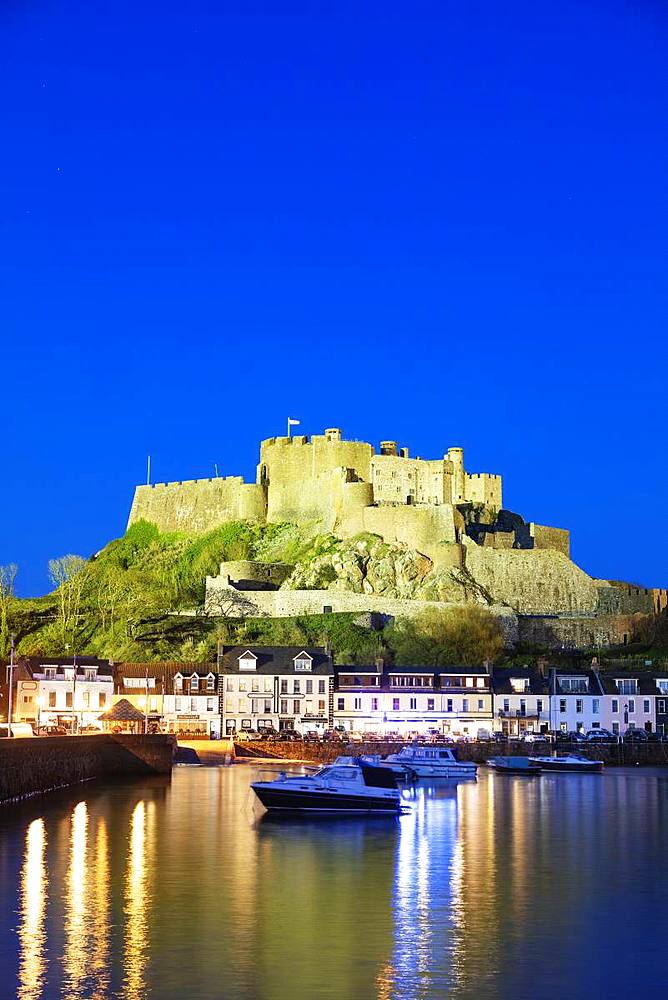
(456, 456)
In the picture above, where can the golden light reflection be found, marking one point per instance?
(100, 943)
(136, 937)
(32, 958)
(75, 959)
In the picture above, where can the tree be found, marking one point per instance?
(69, 575)
(466, 635)
(7, 577)
(225, 602)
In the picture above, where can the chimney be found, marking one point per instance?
(542, 663)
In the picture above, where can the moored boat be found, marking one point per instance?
(348, 788)
(431, 762)
(516, 765)
(375, 760)
(573, 762)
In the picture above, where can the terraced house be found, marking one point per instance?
(406, 699)
(277, 687)
(521, 700)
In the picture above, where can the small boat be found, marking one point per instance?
(573, 762)
(516, 765)
(347, 788)
(431, 762)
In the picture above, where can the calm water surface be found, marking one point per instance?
(507, 887)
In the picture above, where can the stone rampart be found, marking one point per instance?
(545, 537)
(258, 572)
(198, 505)
(571, 632)
(29, 766)
(422, 528)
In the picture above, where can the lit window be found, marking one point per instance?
(303, 661)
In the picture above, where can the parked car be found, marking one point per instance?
(572, 737)
(601, 736)
(332, 736)
(530, 737)
(311, 736)
(636, 736)
(288, 736)
(484, 736)
(98, 729)
(355, 738)
(53, 731)
(268, 732)
(19, 730)
(247, 735)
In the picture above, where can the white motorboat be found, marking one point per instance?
(375, 759)
(348, 788)
(432, 762)
(572, 762)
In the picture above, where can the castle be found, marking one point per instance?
(453, 520)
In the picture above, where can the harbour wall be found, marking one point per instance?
(31, 766)
(612, 755)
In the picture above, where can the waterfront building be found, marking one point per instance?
(279, 687)
(630, 702)
(174, 697)
(521, 700)
(661, 684)
(383, 699)
(71, 692)
(577, 700)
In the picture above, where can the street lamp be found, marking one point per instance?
(40, 702)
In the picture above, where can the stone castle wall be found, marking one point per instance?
(550, 538)
(198, 505)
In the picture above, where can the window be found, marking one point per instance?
(193, 705)
(578, 706)
(297, 687)
(86, 699)
(211, 683)
(615, 728)
(573, 685)
(229, 685)
(413, 704)
(615, 706)
(90, 673)
(519, 684)
(632, 704)
(506, 705)
(52, 699)
(430, 704)
(562, 704)
(481, 704)
(523, 706)
(309, 686)
(661, 706)
(303, 661)
(27, 699)
(628, 685)
(211, 704)
(469, 682)
(267, 705)
(284, 707)
(340, 704)
(194, 683)
(68, 699)
(374, 704)
(178, 683)
(449, 705)
(69, 673)
(295, 707)
(595, 702)
(177, 704)
(321, 707)
(539, 705)
(321, 687)
(465, 704)
(284, 687)
(50, 673)
(645, 706)
(154, 704)
(480, 682)
(255, 684)
(357, 704)
(395, 704)
(662, 686)
(248, 661)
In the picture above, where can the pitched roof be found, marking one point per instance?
(275, 659)
(502, 676)
(122, 711)
(163, 672)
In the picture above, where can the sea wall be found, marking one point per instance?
(30, 766)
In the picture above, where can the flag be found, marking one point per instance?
(292, 422)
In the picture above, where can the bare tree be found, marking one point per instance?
(226, 602)
(69, 575)
(7, 577)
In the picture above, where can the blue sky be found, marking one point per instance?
(444, 223)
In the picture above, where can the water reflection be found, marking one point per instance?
(136, 938)
(32, 958)
(75, 958)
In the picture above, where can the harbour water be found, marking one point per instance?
(502, 887)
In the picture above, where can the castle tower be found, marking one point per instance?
(456, 456)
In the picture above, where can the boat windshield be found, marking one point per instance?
(340, 772)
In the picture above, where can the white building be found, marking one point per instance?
(577, 700)
(383, 699)
(70, 692)
(521, 700)
(278, 687)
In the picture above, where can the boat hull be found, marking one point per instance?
(591, 767)
(295, 800)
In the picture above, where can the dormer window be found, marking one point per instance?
(50, 673)
(69, 673)
(248, 661)
(210, 682)
(627, 685)
(519, 684)
(90, 673)
(194, 683)
(303, 661)
(178, 682)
